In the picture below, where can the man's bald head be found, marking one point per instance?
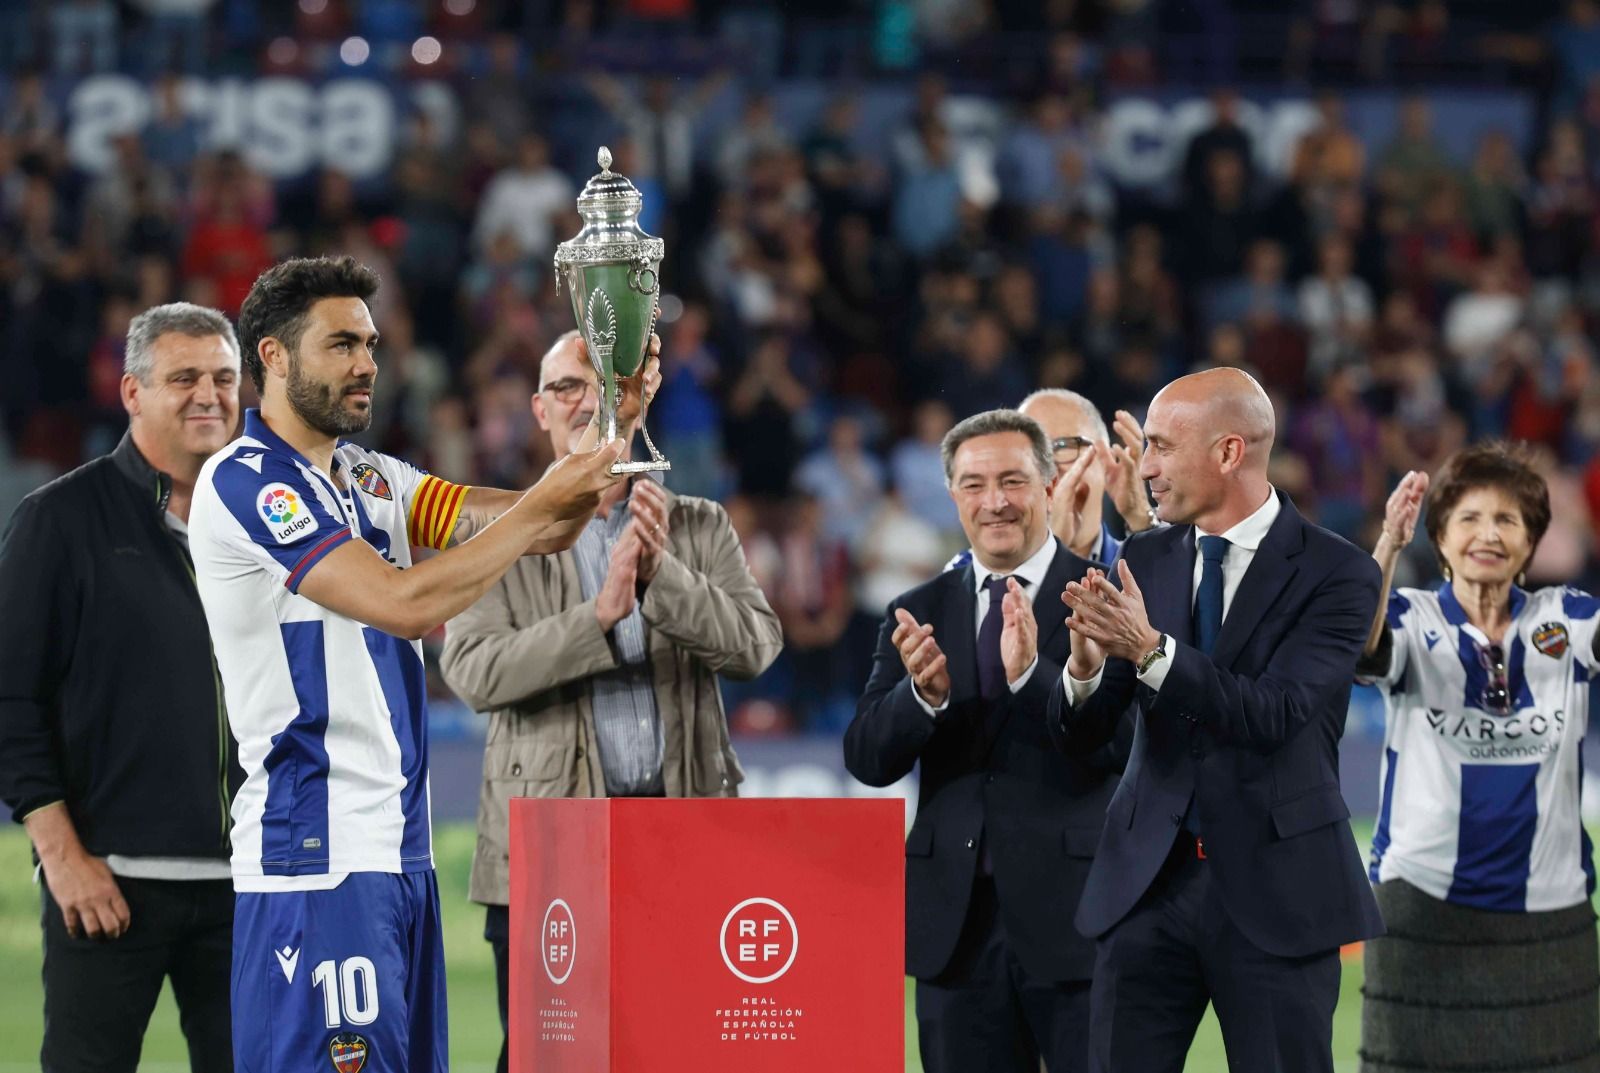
(568, 343)
(1230, 402)
(1210, 436)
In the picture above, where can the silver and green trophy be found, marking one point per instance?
(611, 270)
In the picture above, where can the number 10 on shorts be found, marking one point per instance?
(349, 991)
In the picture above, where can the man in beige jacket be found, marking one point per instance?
(598, 666)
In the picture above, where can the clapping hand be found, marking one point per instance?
(1122, 472)
(647, 504)
(1114, 620)
(1019, 631)
(923, 658)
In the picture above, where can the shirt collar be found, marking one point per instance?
(1456, 615)
(1249, 533)
(133, 465)
(256, 427)
(1031, 572)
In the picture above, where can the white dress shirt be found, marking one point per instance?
(1243, 541)
(1030, 575)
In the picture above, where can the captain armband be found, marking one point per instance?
(435, 509)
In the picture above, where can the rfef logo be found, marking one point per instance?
(759, 940)
(558, 941)
(287, 517)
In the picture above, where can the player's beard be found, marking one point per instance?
(322, 405)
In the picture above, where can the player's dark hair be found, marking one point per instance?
(1506, 467)
(282, 296)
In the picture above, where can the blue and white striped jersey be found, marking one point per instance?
(1482, 755)
(330, 714)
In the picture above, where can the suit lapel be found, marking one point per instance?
(1169, 588)
(1269, 572)
(956, 633)
(1048, 610)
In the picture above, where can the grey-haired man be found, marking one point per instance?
(114, 745)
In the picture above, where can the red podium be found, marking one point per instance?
(687, 936)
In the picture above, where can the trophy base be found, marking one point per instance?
(650, 466)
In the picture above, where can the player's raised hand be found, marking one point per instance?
(923, 658)
(573, 486)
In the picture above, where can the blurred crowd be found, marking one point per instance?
(841, 291)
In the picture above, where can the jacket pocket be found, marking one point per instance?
(1080, 841)
(919, 843)
(1119, 814)
(1308, 811)
(528, 761)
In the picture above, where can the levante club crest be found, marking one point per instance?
(1551, 639)
(349, 1052)
(370, 481)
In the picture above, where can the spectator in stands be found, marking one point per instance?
(1225, 133)
(1495, 186)
(1414, 163)
(1471, 859)
(928, 197)
(528, 199)
(1219, 222)
(171, 138)
(846, 478)
(1031, 155)
(114, 750)
(1335, 306)
(567, 653)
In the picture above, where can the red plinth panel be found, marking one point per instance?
(678, 936)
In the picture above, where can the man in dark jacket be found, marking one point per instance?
(114, 747)
(1006, 830)
(1227, 874)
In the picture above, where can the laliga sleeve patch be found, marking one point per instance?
(348, 1051)
(370, 481)
(288, 517)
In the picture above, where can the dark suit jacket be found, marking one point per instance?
(1251, 731)
(987, 766)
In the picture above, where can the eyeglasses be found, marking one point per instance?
(568, 388)
(1067, 448)
(1496, 696)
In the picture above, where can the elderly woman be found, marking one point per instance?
(1481, 864)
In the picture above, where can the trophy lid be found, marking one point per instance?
(610, 207)
(608, 193)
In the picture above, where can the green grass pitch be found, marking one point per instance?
(474, 1024)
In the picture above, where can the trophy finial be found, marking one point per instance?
(604, 157)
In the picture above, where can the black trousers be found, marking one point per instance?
(497, 929)
(985, 1014)
(1178, 950)
(99, 993)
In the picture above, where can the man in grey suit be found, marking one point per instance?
(598, 666)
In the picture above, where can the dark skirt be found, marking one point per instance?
(1451, 989)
